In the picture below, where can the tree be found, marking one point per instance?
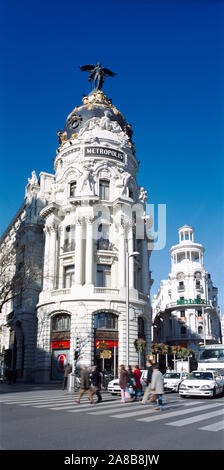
(17, 278)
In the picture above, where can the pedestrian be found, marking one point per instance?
(157, 388)
(67, 371)
(123, 382)
(148, 382)
(138, 387)
(131, 383)
(96, 381)
(85, 385)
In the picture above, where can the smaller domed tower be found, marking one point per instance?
(185, 309)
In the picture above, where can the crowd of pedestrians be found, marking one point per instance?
(129, 382)
(131, 388)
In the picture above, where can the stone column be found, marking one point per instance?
(78, 250)
(89, 250)
(121, 257)
(131, 259)
(145, 267)
(52, 256)
(46, 258)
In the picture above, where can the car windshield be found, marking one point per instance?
(201, 375)
(172, 375)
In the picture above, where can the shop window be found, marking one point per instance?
(61, 322)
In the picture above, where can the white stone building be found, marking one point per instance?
(185, 309)
(79, 226)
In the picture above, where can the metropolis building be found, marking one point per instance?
(185, 309)
(84, 229)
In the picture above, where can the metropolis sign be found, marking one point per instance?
(104, 152)
(190, 301)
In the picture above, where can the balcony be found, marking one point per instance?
(68, 246)
(180, 288)
(106, 290)
(104, 244)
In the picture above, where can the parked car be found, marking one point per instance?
(202, 383)
(172, 380)
(114, 387)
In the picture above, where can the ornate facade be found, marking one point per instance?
(84, 228)
(185, 309)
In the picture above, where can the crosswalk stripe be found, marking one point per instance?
(165, 415)
(214, 427)
(148, 410)
(101, 406)
(195, 419)
(63, 404)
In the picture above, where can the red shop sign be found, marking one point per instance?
(108, 344)
(60, 344)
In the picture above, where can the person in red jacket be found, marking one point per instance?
(138, 387)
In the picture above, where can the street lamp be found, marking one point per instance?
(128, 255)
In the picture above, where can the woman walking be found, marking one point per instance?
(123, 382)
(138, 386)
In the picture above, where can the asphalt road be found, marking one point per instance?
(41, 418)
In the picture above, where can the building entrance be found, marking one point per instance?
(106, 356)
(60, 358)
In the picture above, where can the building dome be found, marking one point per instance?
(95, 105)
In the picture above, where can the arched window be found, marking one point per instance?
(141, 328)
(105, 320)
(61, 322)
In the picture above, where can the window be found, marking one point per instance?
(141, 328)
(198, 284)
(61, 322)
(103, 240)
(182, 314)
(103, 275)
(104, 190)
(199, 313)
(183, 331)
(69, 244)
(105, 320)
(72, 189)
(69, 272)
(200, 330)
(130, 193)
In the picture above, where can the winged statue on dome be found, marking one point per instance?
(97, 74)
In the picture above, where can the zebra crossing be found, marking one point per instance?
(177, 412)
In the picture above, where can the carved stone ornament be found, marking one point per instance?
(103, 127)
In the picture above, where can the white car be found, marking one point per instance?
(172, 380)
(114, 387)
(202, 383)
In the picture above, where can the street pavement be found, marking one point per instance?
(46, 417)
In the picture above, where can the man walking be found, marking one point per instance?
(148, 383)
(157, 387)
(96, 379)
(85, 385)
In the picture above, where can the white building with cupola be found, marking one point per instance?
(85, 225)
(185, 309)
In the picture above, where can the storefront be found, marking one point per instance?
(106, 341)
(60, 357)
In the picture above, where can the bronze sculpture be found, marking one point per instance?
(97, 73)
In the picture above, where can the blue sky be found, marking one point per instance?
(168, 56)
